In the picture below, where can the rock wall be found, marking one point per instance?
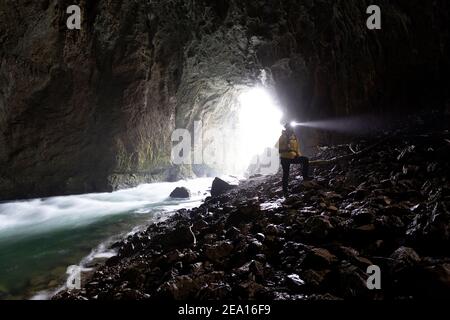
(89, 110)
(93, 110)
(326, 64)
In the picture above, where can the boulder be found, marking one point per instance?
(180, 193)
(294, 282)
(404, 258)
(363, 216)
(257, 270)
(318, 227)
(180, 236)
(220, 186)
(404, 265)
(219, 251)
(314, 278)
(254, 247)
(250, 290)
(318, 258)
(351, 281)
(233, 233)
(248, 212)
(180, 288)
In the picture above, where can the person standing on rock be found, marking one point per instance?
(289, 149)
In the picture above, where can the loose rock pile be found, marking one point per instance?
(388, 207)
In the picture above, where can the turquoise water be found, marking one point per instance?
(40, 238)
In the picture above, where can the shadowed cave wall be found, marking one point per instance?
(93, 110)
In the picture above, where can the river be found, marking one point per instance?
(40, 238)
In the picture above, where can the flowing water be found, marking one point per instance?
(40, 238)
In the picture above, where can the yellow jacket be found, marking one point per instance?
(289, 147)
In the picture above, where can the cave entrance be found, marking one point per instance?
(241, 140)
(259, 126)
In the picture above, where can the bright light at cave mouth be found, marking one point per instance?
(259, 123)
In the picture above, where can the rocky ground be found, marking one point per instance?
(386, 206)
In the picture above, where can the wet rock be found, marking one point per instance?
(314, 279)
(180, 288)
(292, 248)
(248, 212)
(294, 282)
(391, 224)
(209, 238)
(333, 209)
(113, 261)
(260, 237)
(311, 184)
(251, 290)
(358, 194)
(346, 252)
(220, 187)
(134, 275)
(219, 251)
(365, 231)
(256, 268)
(433, 228)
(404, 258)
(209, 277)
(323, 297)
(254, 247)
(180, 193)
(363, 216)
(261, 258)
(200, 225)
(331, 195)
(177, 237)
(215, 292)
(272, 230)
(351, 281)
(318, 258)
(171, 257)
(405, 152)
(253, 270)
(281, 296)
(127, 249)
(318, 227)
(434, 281)
(233, 233)
(404, 265)
(197, 268)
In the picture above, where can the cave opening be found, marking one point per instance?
(259, 124)
(240, 138)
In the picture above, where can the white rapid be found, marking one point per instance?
(41, 215)
(40, 238)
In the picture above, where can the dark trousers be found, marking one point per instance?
(286, 165)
